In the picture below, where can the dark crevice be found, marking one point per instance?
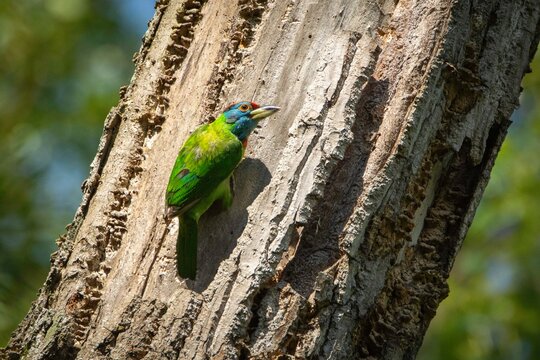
(255, 317)
(319, 244)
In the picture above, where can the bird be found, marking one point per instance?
(202, 174)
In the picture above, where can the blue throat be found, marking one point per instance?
(243, 127)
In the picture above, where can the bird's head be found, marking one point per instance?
(244, 117)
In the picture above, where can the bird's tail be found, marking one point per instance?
(186, 247)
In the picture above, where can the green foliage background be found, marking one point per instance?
(62, 63)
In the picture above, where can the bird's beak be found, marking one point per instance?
(262, 112)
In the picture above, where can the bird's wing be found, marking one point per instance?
(206, 159)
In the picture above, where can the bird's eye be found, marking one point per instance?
(244, 107)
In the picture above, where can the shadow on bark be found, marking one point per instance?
(219, 230)
(319, 242)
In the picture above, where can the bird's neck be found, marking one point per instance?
(243, 127)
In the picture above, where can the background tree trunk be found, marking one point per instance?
(350, 206)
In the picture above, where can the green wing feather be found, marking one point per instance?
(184, 180)
(207, 158)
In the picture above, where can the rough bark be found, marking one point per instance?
(350, 206)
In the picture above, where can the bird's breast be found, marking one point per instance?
(212, 145)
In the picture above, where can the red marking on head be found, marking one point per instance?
(254, 105)
(244, 143)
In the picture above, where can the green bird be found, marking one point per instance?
(202, 174)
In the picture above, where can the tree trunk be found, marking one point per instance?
(351, 203)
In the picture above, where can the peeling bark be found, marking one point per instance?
(351, 204)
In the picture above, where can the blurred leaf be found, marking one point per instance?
(63, 62)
